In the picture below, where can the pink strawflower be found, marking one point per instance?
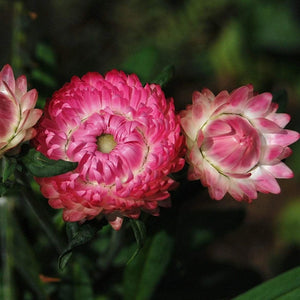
(126, 140)
(17, 113)
(236, 143)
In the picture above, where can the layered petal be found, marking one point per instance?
(126, 139)
(17, 112)
(236, 143)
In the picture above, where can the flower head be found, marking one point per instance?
(236, 142)
(126, 140)
(17, 113)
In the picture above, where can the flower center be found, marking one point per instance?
(231, 144)
(106, 143)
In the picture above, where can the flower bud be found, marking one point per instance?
(17, 112)
(236, 143)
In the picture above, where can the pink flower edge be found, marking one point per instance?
(126, 139)
(17, 112)
(236, 143)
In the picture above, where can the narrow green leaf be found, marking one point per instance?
(139, 230)
(41, 166)
(165, 76)
(285, 286)
(143, 274)
(78, 235)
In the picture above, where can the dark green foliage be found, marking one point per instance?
(78, 235)
(283, 287)
(41, 166)
(216, 44)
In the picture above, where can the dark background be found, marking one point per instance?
(216, 44)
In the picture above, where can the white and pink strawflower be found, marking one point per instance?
(17, 112)
(236, 143)
(126, 139)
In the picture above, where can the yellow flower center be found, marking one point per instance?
(106, 143)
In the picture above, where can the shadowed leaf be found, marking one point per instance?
(285, 286)
(41, 166)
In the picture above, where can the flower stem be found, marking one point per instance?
(6, 234)
(40, 213)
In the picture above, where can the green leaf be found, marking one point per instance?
(283, 287)
(8, 166)
(165, 76)
(78, 235)
(41, 166)
(143, 274)
(139, 230)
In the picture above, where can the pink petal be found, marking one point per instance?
(202, 107)
(221, 99)
(8, 77)
(280, 119)
(266, 126)
(280, 170)
(264, 181)
(115, 222)
(210, 176)
(208, 94)
(9, 117)
(28, 101)
(32, 119)
(188, 125)
(248, 188)
(21, 85)
(70, 215)
(235, 191)
(217, 127)
(219, 189)
(240, 96)
(284, 138)
(258, 105)
(200, 138)
(270, 153)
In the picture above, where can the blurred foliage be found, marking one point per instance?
(219, 44)
(289, 223)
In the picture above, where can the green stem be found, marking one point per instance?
(6, 233)
(40, 213)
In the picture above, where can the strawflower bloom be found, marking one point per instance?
(126, 139)
(236, 143)
(17, 112)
